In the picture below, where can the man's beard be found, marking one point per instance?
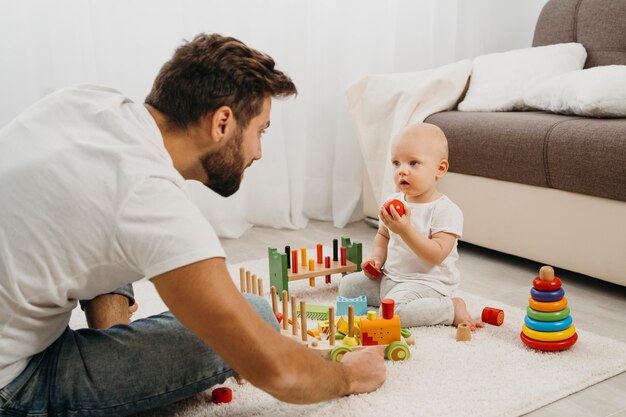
(224, 167)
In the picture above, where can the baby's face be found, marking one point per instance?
(417, 162)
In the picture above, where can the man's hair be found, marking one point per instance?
(213, 71)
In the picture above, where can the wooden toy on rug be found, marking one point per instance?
(284, 267)
(463, 333)
(397, 204)
(493, 316)
(358, 303)
(372, 331)
(547, 324)
(249, 283)
(222, 395)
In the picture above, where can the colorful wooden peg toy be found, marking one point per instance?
(548, 324)
(282, 269)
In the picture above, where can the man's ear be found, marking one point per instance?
(442, 169)
(222, 123)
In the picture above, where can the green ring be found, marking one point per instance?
(398, 347)
(338, 351)
(405, 333)
(547, 315)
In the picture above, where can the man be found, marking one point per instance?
(93, 198)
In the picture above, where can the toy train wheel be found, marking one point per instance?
(397, 351)
(338, 351)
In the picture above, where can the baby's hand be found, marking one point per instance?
(371, 268)
(394, 222)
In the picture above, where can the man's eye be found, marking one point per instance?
(395, 163)
(413, 163)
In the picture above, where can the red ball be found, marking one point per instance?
(397, 204)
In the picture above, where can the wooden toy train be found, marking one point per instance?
(335, 338)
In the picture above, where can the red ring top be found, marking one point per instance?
(540, 285)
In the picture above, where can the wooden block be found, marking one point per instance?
(335, 268)
(294, 319)
(331, 325)
(274, 300)
(242, 280)
(260, 283)
(254, 284)
(285, 309)
(463, 333)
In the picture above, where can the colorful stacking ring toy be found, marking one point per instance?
(548, 306)
(555, 295)
(547, 315)
(548, 326)
(560, 345)
(548, 336)
(540, 285)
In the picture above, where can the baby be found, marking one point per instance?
(416, 251)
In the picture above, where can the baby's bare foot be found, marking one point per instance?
(461, 315)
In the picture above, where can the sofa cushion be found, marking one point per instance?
(596, 92)
(598, 24)
(576, 154)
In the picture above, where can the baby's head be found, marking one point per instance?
(419, 155)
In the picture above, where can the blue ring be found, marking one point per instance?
(548, 326)
(555, 295)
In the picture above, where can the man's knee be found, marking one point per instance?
(263, 308)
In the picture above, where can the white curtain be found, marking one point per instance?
(311, 166)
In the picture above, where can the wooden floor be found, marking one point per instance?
(599, 306)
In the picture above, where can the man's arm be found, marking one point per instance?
(203, 297)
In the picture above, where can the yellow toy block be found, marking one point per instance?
(314, 333)
(342, 326)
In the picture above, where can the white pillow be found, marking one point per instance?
(499, 80)
(597, 92)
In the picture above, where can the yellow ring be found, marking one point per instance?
(547, 306)
(549, 336)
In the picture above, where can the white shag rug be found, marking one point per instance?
(494, 374)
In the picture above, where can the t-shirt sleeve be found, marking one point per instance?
(159, 229)
(448, 218)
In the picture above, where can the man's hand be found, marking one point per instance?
(394, 222)
(366, 369)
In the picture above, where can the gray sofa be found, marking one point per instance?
(548, 187)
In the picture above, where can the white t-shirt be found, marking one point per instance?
(403, 265)
(89, 201)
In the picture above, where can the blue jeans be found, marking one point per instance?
(119, 371)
